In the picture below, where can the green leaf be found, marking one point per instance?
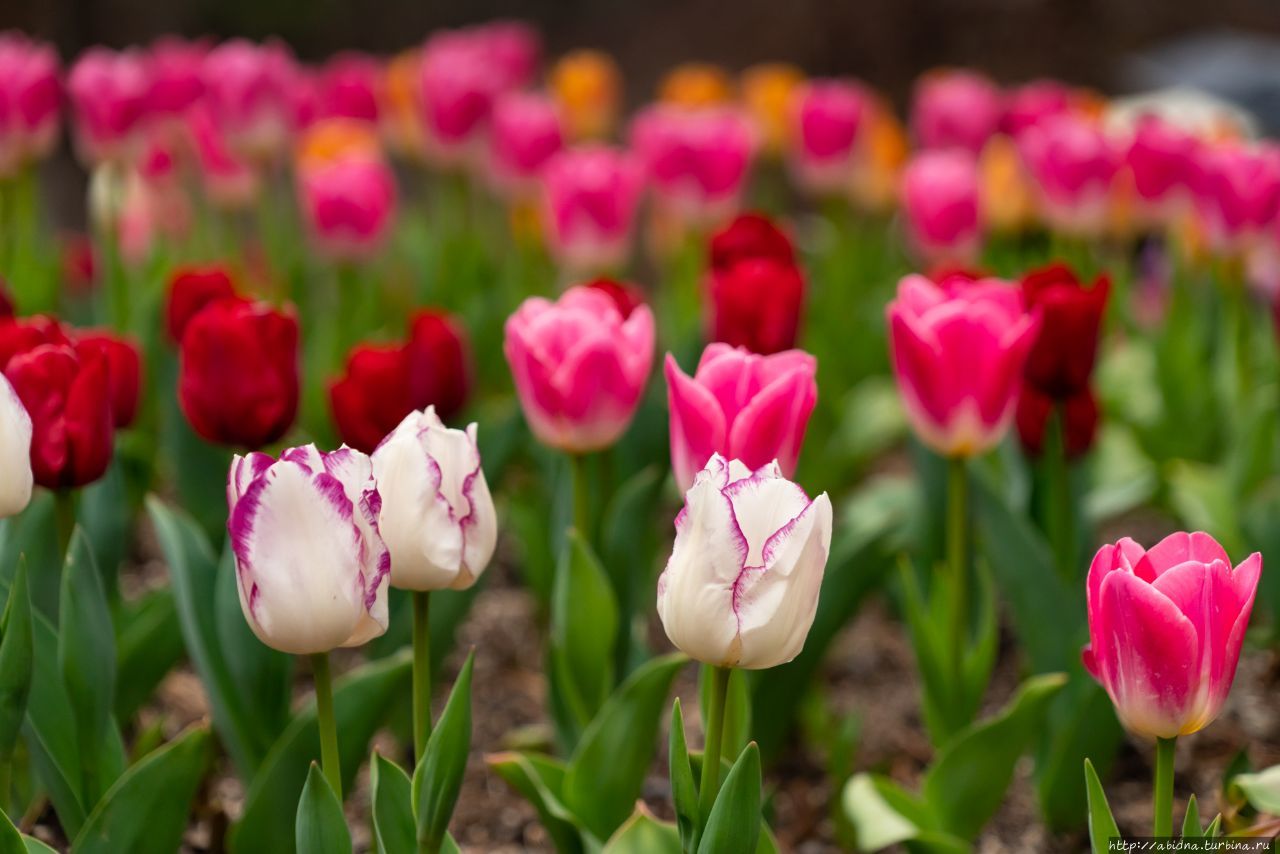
(644, 834)
(362, 701)
(321, 826)
(438, 777)
(16, 656)
(394, 830)
(1214, 830)
(584, 629)
(148, 645)
(145, 811)
(13, 842)
(1260, 789)
(944, 716)
(260, 672)
(87, 658)
(607, 770)
(882, 813)
(1081, 723)
(539, 780)
(1102, 825)
(1203, 497)
(1191, 820)
(966, 784)
(627, 545)
(684, 790)
(734, 824)
(31, 534)
(105, 514)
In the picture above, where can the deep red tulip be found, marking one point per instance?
(626, 297)
(756, 304)
(20, 334)
(1066, 347)
(124, 371)
(68, 397)
(750, 235)
(439, 363)
(1080, 420)
(372, 397)
(191, 289)
(238, 372)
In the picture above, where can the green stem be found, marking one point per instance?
(6, 774)
(1060, 516)
(958, 560)
(710, 786)
(329, 758)
(1163, 794)
(421, 672)
(64, 519)
(581, 495)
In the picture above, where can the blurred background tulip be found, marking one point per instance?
(827, 116)
(956, 109)
(940, 201)
(590, 198)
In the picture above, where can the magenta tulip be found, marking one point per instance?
(526, 131)
(1160, 158)
(1165, 629)
(579, 367)
(958, 350)
(940, 204)
(1237, 192)
(30, 100)
(108, 91)
(1072, 162)
(348, 204)
(252, 91)
(590, 197)
(827, 115)
(956, 109)
(742, 406)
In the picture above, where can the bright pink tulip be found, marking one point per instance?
(229, 178)
(457, 83)
(1237, 192)
(956, 109)
(177, 75)
(31, 96)
(513, 48)
(526, 132)
(579, 367)
(590, 196)
(697, 160)
(940, 204)
(252, 89)
(1032, 103)
(109, 96)
(958, 350)
(348, 204)
(1072, 162)
(740, 405)
(1165, 629)
(1160, 159)
(827, 115)
(347, 87)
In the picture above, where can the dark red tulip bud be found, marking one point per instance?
(20, 334)
(1080, 420)
(756, 304)
(750, 235)
(124, 371)
(439, 363)
(626, 297)
(238, 372)
(1062, 358)
(68, 396)
(373, 396)
(191, 289)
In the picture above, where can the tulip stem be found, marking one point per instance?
(957, 560)
(329, 759)
(710, 786)
(1060, 521)
(581, 496)
(1163, 795)
(421, 673)
(64, 519)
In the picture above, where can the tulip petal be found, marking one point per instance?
(697, 423)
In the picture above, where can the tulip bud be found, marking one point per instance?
(1078, 414)
(741, 587)
(940, 204)
(1032, 103)
(826, 119)
(437, 515)
(750, 235)
(238, 372)
(579, 367)
(190, 290)
(590, 197)
(958, 351)
(955, 109)
(251, 90)
(1160, 158)
(68, 396)
(29, 86)
(311, 567)
(108, 91)
(15, 452)
(124, 371)
(1165, 629)
(587, 85)
(176, 71)
(740, 405)
(756, 304)
(20, 334)
(457, 84)
(1237, 193)
(439, 357)
(1072, 162)
(1061, 360)
(526, 133)
(347, 87)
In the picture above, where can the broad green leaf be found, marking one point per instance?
(321, 828)
(882, 814)
(256, 669)
(106, 516)
(684, 790)
(607, 770)
(1261, 789)
(1191, 820)
(627, 545)
(394, 830)
(145, 811)
(13, 842)
(1102, 825)
(438, 777)
(16, 660)
(148, 645)
(362, 699)
(32, 534)
(734, 823)
(966, 784)
(944, 714)
(539, 780)
(584, 629)
(644, 834)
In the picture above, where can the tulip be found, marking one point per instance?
(311, 565)
(741, 405)
(1079, 425)
(590, 197)
(348, 204)
(190, 290)
(579, 367)
(1160, 159)
(228, 178)
(30, 89)
(1007, 201)
(767, 90)
(750, 236)
(940, 204)
(513, 48)
(526, 133)
(440, 371)
(1165, 630)
(177, 75)
(697, 160)
(21, 334)
(15, 452)
(756, 304)
(251, 90)
(1072, 162)
(626, 298)
(1237, 193)
(956, 109)
(826, 119)
(347, 87)
(1061, 359)
(959, 349)
(587, 85)
(108, 91)
(695, 85)
(741, 587)
(238, 372)
(1032, 103)
(68, 397)
(457, 84)
(882, 155)
(124, 371)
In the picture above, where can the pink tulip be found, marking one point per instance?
(177, 75)
(348, 204)
(1072, 163)
(513, 48)
(1237, 192)
(940, 204)
(958, 351)
(526, 132)
(457, 84)
(1160, 159)
(697, 160)
(827, 115)
(742, 406)
(31, 97)
(1165, 629)
(108, 91)
(252, 90)
(228, 178)
(956, 109)
(590, 196)
(1032, 103)
(579, 367)
(347, 87)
